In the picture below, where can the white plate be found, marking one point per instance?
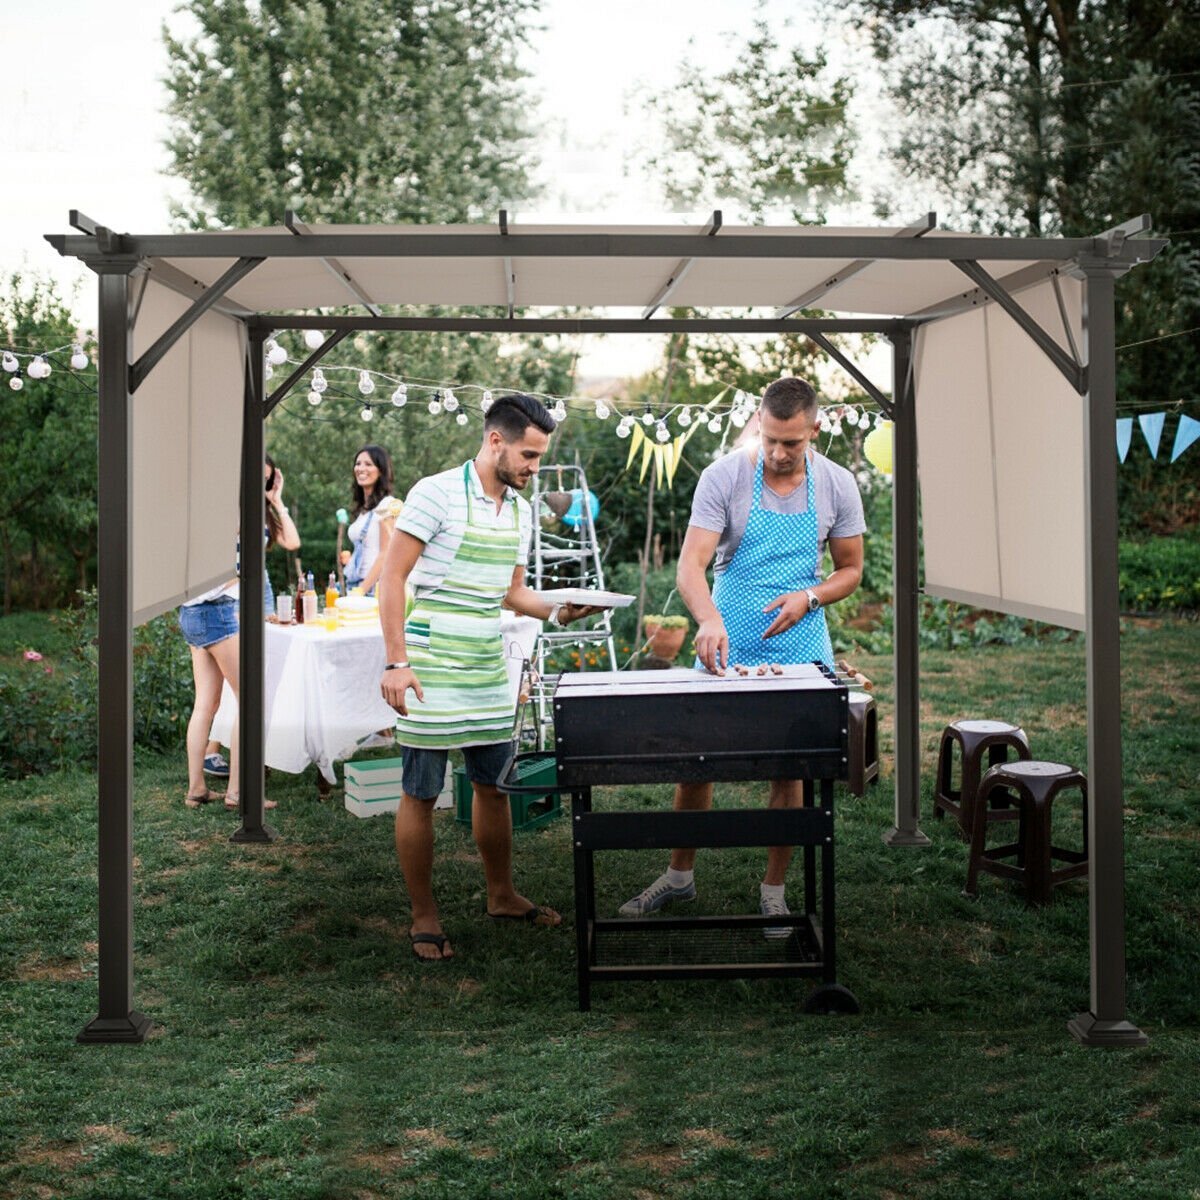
(586, 596)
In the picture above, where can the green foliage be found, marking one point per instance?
(1161, 574)
(769, 133)
(347, 110)
(47, 455)
(1038, 118)
(48, 706)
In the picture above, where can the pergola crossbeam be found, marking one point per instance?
(681, 270)
(144, 365)
(334, 267)
(813, 294)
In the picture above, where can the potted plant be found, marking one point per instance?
(665, 635)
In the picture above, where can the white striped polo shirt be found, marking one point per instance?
(435, 512)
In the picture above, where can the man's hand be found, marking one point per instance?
(793, 608)
(712, 644)
(395, 685)
(569, 613)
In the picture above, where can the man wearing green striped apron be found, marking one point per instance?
(461, 544)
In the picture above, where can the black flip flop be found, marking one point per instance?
(528, 917)
(200, 801)
(429, 939)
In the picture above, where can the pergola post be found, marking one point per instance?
(116, 1019)
(906, 598)
(252, 639)
(1104, 1024)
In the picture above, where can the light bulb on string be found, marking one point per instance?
(366, 385)
(319, 382)
(313, 339)
(714, 426)
(461, 418)
(622, 429)
(9, 361)
(559, 412)
(662, 433)
(603, 412)
(367, 412)
(314, 397)
(647, 417)
(852, 418)
(276, 354)
(486, 401)
(836, 429)
(400, 396)
(38, 369)
(16, 383)
(879, 419)
(738, 418)
(685, 417)
(450, 401)
(435, 405)
(79, 360)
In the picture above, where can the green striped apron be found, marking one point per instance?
(454, 645)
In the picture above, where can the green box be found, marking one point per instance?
(528, 811)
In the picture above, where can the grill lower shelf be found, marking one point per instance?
(672, 949)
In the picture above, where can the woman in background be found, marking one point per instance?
(375, 512)
(280, 531)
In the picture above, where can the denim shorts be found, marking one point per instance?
(425, 770)
(209, 623)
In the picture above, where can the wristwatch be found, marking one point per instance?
(814, 601)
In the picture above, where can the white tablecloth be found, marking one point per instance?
(321, 691)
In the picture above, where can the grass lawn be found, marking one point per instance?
(301, 1052)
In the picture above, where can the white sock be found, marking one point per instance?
(678, 878)
(772, 889)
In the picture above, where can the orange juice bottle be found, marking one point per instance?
(331, 592)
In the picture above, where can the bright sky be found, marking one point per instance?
(84, 101)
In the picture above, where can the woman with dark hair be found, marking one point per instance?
(375, 511)
(281, 529)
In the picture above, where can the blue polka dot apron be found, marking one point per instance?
(779, 552)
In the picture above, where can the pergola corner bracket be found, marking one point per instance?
(307, 365)
(334, 266)
(877, 394)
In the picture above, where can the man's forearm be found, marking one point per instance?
(393, 600)
(694, 591)
(528, 603)
(840, 584)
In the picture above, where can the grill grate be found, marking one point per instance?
(702, 947)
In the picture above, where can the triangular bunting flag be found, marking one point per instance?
(1124, 436)
(1152, 427)
(647, 454)
(1185, 435)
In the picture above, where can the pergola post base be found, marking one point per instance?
(905, 837)
(100, 1030)
(264, 833)
(1090, 1030)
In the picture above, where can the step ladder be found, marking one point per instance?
(561, 556)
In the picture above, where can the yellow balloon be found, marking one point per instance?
(877, 446)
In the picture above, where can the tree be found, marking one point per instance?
(47, 453)
(1045, 117)
(768, 133)
(348, 110)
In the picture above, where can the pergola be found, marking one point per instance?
(987, 334)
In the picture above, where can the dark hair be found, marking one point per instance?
(786, 397)
(383, 485)
(274, 524)
(511, 415)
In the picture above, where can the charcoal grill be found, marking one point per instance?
(687, 725)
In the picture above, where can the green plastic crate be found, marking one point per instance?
(528, 811)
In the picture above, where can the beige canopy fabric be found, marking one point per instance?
(187, 445)
(1000, 459)
(895, 288)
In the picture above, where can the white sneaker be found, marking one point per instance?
(660, 893)
(775, 906)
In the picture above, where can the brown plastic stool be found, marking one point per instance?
(972, 739)
(1034, 784)
(864, 743)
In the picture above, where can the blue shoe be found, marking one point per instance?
(659, 894)
(216, 765)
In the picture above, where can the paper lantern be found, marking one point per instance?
(877, 446)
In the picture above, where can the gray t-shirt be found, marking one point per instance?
(721, 503)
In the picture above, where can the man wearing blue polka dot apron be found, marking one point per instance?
(765, 513)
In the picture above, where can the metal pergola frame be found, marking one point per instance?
(1091, 370)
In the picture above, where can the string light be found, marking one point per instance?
(685, 417)
(400, 396)
(319, 382)
(38, 369)
(314, 397)
(450, 401)
(435, 405)
(314, 339)
(16, 383)
(486, 401)
(79, 360)
(367, 412)
(603, 412)
(622, 428)
(366, 384)
(9, 361)
(647, 417)
(662, 433)
(461, 418)
(276, 354)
